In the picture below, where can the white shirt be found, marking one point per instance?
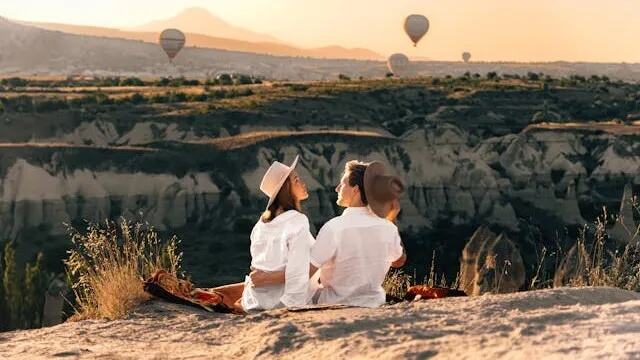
(354, 252)
(281, 244)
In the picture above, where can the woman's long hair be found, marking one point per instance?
(284, 201)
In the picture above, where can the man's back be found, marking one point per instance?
(354, 252)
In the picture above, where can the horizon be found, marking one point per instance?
(463, 26)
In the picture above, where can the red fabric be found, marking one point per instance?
(167, 286)
(432, 292)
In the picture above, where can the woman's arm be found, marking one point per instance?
(296, 273)
(261, 278)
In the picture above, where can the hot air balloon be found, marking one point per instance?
(466, 56)
(416, 26)
(172, 41)
(398, 64)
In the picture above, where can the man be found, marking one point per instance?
(355, 250)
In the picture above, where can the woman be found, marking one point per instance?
(280, 241)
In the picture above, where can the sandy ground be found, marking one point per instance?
(586, 323)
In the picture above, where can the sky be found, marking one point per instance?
(492, 30)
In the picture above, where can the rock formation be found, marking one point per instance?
(491, 264)
(625, 227)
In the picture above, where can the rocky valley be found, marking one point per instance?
(470, 154)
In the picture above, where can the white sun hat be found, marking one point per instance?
(275, 178)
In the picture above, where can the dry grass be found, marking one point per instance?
(595, 264)
(396, 283)
(108, 264)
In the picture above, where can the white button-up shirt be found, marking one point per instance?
(354, 252)
(281, 244)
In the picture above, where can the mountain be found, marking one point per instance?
(61, 50)
(216, 42)
(27, 50)
(200, 21)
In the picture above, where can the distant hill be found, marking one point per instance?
(201, 21)
(31, 51)
(27, 50)
(207, 41)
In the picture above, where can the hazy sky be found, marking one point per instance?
(509, 30)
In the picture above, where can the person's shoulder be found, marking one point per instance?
(333, 223)
(377, 220)
(298, 219)
(382, 223)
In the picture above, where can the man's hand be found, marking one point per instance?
(261, 278)
(400, 261)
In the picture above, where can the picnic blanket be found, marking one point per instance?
(169, 287)
(431, 292)
(424, 292)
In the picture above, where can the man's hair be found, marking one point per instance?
(355, 175)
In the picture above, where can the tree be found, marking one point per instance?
(4, 314)
(33, 296)
(131, 81)
(137, 98)
(492, 75)
(12, 289)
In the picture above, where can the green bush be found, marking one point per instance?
(137, 99)
(242, 80)
(49, 105)
(131, 81)
(224, 79)
(533, 76)
(22, 293)
(14, 82)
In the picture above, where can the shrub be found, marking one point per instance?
(131, 81)
(242, 79)
(12, 288)
(137, 98)
(14, 82)
(21, 293)
(175, 97)
(597, 264)
(224, 79)
(107, 264)
(21, 103)
(48, 105)
(396, 283)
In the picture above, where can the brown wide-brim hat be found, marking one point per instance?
(381, 189)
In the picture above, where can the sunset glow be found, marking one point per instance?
(492, 30)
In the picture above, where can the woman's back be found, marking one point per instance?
(281, 244)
